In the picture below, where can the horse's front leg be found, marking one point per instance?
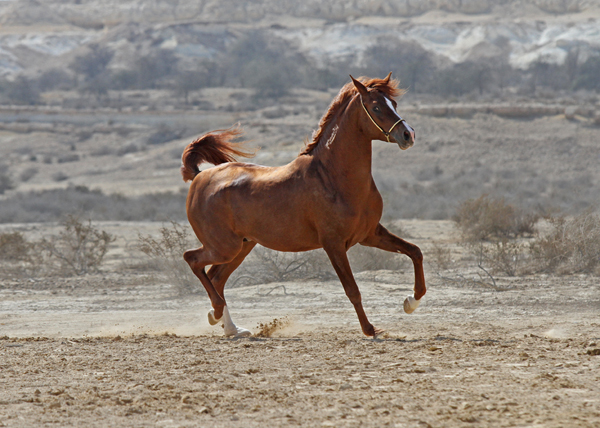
(385, 240)
(340, 263)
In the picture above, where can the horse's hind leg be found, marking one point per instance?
(218, 275)
(198, 260)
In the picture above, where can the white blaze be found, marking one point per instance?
(390, 104)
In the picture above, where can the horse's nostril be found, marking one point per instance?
(406, 135)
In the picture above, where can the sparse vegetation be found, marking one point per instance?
(79, 248)
(6, 182)
(14, 247)
(503, 257)
(22, 90)
(264, 265)
(572, 245)
(487, 218)
(53, 205)
(491, 230)
(166, 256)
(441, 256)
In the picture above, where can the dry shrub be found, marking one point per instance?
(264, 265)
(440, 256)
(166, 256)
(14, 247)
(15, 255)
(79, 248)
(486, 218)
(268, 329)
(571, 246)
(505, 257)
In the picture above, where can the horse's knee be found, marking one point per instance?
(190, 257)
(417, 255)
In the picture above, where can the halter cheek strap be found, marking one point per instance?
(386, 133)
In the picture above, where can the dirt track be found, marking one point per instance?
(467, 357)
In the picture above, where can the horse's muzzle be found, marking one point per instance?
(404, 136)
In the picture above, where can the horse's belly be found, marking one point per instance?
(278, 231)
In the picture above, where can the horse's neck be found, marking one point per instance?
(347, 153)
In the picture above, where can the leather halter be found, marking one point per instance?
(388, 133)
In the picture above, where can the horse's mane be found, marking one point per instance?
(388, 87)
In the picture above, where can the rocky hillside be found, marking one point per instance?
(35, 35)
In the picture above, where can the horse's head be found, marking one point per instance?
(381, 116)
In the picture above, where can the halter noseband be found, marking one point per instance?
(388, 133)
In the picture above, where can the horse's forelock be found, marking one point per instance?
(389, 88)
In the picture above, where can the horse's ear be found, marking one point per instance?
(387, 79)
(362, 89)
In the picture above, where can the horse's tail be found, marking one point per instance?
(215, 147)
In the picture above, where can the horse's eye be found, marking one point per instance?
(376, 109)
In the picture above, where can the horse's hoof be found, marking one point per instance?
(410, 304)
(211, 318)
(238, 332)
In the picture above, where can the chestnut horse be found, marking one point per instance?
(325, 198)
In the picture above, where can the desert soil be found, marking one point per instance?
(120, 349)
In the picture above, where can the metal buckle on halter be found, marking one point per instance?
(388, 133)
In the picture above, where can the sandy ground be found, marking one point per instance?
(116, 349)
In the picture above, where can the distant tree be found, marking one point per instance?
(188, 81)
(546, 74)
(150, 69)
(571, 67)
(502, 74)
(123, 79)
(462, 78)
(5, 181)
(92, 64)
(588, 76)
(409, 62)
(97, 87)
(53, 79)
(265, 64)
(22, 91)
